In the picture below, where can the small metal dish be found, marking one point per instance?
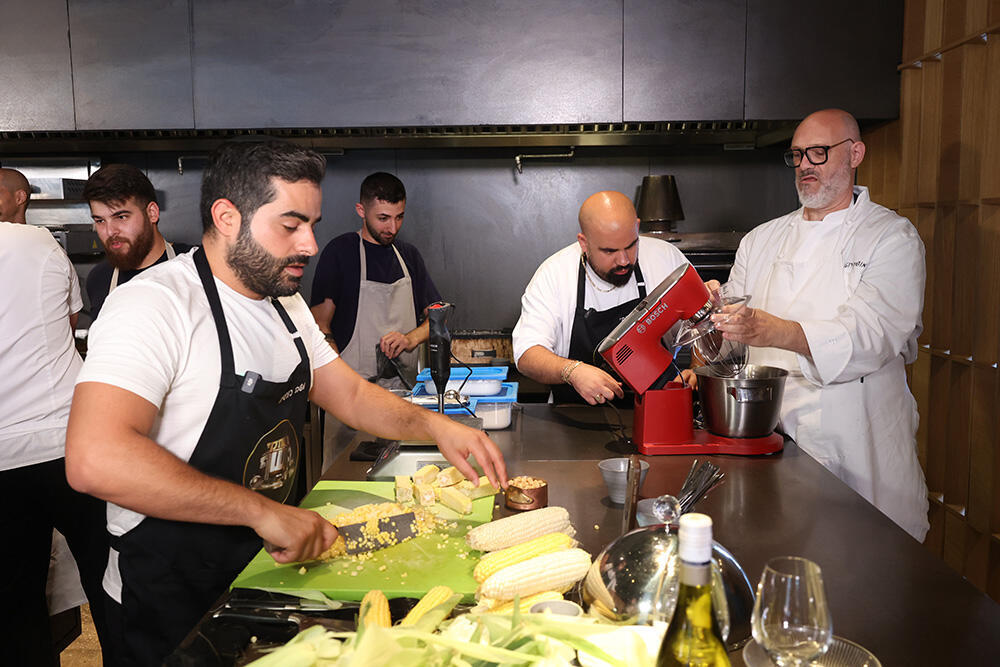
(518, 498)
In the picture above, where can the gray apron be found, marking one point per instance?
(382, 307)
(114, 274)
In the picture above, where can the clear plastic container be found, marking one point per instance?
(495, 411)
(479, 380)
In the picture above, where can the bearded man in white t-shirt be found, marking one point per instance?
(189, 410)
(836, 293)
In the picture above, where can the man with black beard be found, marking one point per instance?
(126, 218)
(188, 412)
(371, 289)
(563, 320)
(836, 294)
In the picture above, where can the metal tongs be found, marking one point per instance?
(699, 481)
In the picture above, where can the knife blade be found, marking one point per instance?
(379, 534)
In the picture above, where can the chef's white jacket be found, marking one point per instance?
(548, 305)
(855, 283)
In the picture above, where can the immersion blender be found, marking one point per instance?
(439, 347)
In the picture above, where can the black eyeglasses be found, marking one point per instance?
(815, 154)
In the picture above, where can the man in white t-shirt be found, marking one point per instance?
(188, 412)
(580, 294)
(38, 366)
(836, 294)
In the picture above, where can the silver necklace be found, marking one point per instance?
(586, 272)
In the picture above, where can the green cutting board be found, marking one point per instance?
(409, 569)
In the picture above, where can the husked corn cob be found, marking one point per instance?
(513, 530)
(425, 494)
(426, 475)
(431, 599)
(404, 489)
(557, 571)
(448, 477)
(497, 560)
(378, 609)
(452, 498)
(507, 606)
(480, 490)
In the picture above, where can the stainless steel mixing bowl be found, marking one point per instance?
(634, 580)
(745, 406)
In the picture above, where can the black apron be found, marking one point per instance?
(590, 327)
(173, 571)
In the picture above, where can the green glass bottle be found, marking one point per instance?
(693, 638)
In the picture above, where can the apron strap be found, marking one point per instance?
(296, 336)
(212, 292)
(640, 282)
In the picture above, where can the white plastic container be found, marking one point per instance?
(495, 411)
(483, 381)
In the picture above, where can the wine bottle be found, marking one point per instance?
(693, 638)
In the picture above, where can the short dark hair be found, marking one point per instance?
(381, 185)
(116, 183)
(242, 173)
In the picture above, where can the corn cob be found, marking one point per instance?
(507, 606)
(431, 599)
(497, 560)
(452, 498)
(404, 489)
(480, 490)
(378, 609)
(514, 530)
(426, 475)
(448, 477)
(557, 571)
(425, 494)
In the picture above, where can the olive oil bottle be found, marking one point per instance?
(693, 638)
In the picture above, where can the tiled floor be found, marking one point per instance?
(85, 651)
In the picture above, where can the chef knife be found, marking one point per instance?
(385, 532)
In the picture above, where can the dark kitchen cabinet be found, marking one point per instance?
(36, 89)
(684, 60)
(262, 63)
(131, 64)
(807, 56)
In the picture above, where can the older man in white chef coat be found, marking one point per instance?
(836, 293)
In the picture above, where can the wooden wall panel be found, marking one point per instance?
(983, 436)
(951, 128)
(964, 312)
(986, 336)
(973, 119)
(953, 21)
(930, 132)
(990, 178)
(956, 536)
(957, 443)
(976, 15)
(933, 20)
(920, 386)
(910, 99)
(942, 255)
(893, 155)
(913, 30)
(937, 426)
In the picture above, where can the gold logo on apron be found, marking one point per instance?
(271, 466)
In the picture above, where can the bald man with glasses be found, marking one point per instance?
(836, 293)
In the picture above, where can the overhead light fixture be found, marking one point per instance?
(659, 204)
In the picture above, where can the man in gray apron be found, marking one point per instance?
(189, 410)
(126, 218)
(837, 291)
(370, 288)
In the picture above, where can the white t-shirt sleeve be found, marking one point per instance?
(540, 322)
(320, 351)
(136, 342)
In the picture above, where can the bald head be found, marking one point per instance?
(835, 122)
(607, 211)
(14, 195)
(609, 236)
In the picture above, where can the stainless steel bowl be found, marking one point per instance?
(745, 406)
(635, 580)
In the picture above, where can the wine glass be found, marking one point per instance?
(791, 620)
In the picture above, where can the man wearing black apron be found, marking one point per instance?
(126, 218)
(563, 321)
(189, 410)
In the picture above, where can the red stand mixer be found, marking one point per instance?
(664, 419)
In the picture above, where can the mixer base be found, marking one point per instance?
(705, 442)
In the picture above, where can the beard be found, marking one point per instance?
(129, 258)
(383, 238)
(260, 271)
(825, 190)
(611, 277)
